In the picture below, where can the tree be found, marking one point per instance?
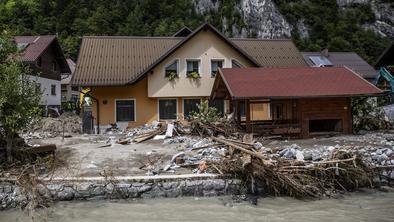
(19, 97)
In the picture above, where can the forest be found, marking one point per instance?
(329, 26)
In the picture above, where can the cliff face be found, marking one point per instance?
(261, 18)
(384, 14)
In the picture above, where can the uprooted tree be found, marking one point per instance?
(19, 96)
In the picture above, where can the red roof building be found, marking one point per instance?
(308, 82)
(306, 101)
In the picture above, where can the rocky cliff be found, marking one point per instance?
(261, 18)
(384, 14)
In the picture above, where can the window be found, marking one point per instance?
(167, 109)
(125, 110)
(22, 46)
(215, 65)
(171, 68)
(235, 64)
(74, 88)
(53, 90)
(189, 106)
(320, 61)
(218, 104)
(54, 66)
(39, 61)
(192, 66)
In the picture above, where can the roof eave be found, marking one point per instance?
(311, 97)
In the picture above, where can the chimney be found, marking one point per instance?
(324, 52)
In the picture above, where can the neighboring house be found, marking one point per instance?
(129, 77)
(45, 57)
(69, 93)
(307, 101)
(340, 59)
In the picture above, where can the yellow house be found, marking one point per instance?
(136, 80)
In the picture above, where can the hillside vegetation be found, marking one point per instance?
(327, 24)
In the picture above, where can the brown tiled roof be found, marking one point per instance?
(349, 59)
(36, 46)
(106, 61)
(294, 82)
(272, 52)
(117, 60)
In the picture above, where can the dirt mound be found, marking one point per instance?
(51, 127)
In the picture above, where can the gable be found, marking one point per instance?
(204, 46)
(34, 47)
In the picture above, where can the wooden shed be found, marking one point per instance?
(302, 102)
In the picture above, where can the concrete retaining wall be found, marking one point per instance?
(11, 195)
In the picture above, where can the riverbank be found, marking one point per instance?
(95, 188)
(365, 205)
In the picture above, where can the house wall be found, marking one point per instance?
(329, 108)
(146, 108)
(45, 85)
(204, 46)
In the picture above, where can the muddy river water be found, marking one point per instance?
(361, 206)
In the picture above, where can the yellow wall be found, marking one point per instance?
(145, 107)
(204, 46)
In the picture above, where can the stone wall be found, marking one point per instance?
(11, 195)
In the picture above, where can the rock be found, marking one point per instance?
(389, 152)
(258, 145)
(144, 188)
(307, 156)
(316, 157)
(66, 194)
(290, 153)
(55, 187)
(330, 149)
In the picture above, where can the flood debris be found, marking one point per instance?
(66, 124)
(286, 173)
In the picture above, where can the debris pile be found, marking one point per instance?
(67, 123)
(287, 172)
